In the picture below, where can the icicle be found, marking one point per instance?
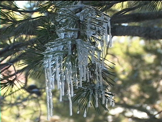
(88, 74)
(78, 41)
(81, 17)
(52, 82)
(57, 73)
(92, 55)
(60, 33)
(106, 103)
(100, 74)
(84, 72)
(61, 79)
(75, 73)
(103, 96)
(51, 103)
(105, 34)
(48, 92)
(48, 103)
(94, 48)
(81, 75)
(70, 79)
(101, 84)
(50, 73)
(70, 105)
(113, 103)
(102, 64)
(90, 97)
(110, 36)
(69, 47)
(72, 90)
(66, 75)
(70, 70)
(78, 112)
(85, 113)
(96, 98)
(96, 72)
(70, 101)
(88, 31)
(76, 79)
(63, 89)
(61, 92)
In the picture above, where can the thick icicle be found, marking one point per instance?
(48, 91)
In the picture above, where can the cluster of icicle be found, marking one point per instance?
(60, 71)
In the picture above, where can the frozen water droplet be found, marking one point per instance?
(78, 112)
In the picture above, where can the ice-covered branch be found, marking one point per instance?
(66, 64)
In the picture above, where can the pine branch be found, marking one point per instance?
(136, 17)
(123, 11)
(9, 63)
(13, 9)
(145, 32)
(16, 45)
(108, 6)
(17, 72)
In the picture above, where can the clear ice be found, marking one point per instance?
(59, 68)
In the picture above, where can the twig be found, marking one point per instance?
(25, 11)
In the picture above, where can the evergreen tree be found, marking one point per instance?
(69, 36)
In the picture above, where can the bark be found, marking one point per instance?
(136, 17)
(145, 32)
